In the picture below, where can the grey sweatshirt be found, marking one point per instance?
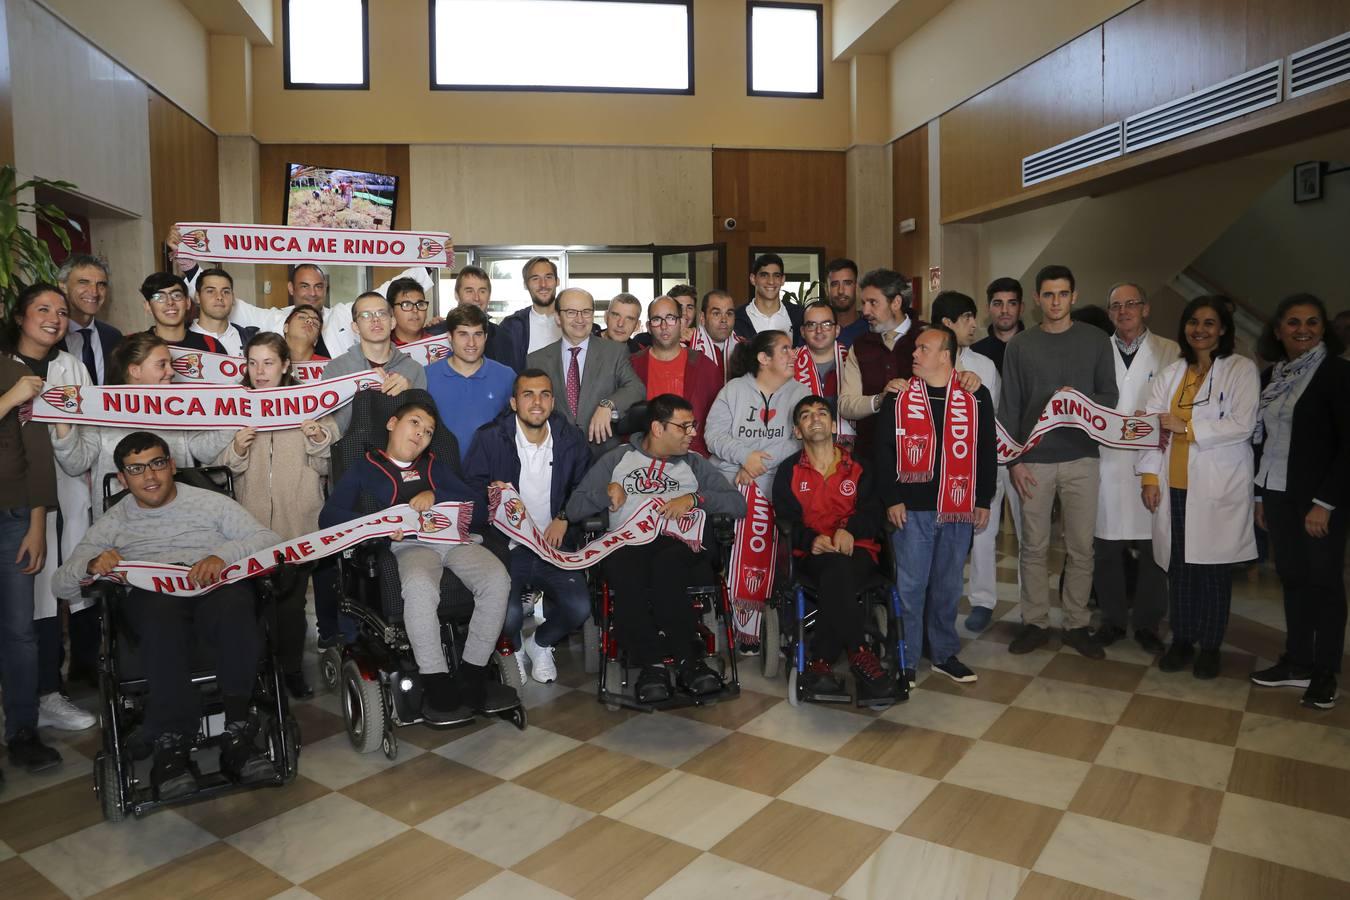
(742, 420)
(1035, 365)
(355, 361)
(646, 478)
(193, 525)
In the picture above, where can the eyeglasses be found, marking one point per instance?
(372, 314)
(664, 320)
(410, 305)
(159, 464)
(818, 326)
(1128, 304)
(1209, 389)
(163, 297)
(575, 314)
(688, 427)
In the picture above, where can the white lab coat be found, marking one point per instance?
(72, 493)
(1121, 514)
(1219, 467)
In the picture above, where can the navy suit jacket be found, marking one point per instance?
(109, 337)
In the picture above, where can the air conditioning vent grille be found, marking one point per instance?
(1077, 153)
(1319, 66)
(1245, 93)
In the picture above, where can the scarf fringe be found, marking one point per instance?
(915, 477)
(956, 518)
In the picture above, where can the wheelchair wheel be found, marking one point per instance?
(590, 642)
(109, 788)
(362, 709)
(770, 643)
(794, 699)
(330, 668)
(515, 716)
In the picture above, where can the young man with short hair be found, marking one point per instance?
(373, 319)
(215, 303)
(767, 310)
(536, 326)
(669, 368)
(715, 338)
(167, 302)
(841, 287)
(409, 303)
(468, 388)
(1004, 296)
(84, 279)
(473, 287)
(687, 298)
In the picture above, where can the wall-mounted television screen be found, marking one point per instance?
(323, 197)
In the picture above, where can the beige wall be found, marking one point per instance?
(401, 108)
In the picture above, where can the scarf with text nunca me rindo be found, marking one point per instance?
(918, 448)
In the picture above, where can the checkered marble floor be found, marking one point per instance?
(1053, 776)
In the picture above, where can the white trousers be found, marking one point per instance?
(982, 588)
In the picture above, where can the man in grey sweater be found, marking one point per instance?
(373, 319)
(169, 523)
(1038, 362)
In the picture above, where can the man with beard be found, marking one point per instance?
(841, 286)
(535, 326)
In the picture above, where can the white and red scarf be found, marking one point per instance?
(805, 372)
(919, 448)
(750, 571)
(646, 524)
(703, 343)
(1069, 408)
(199, 367)
(444, 523)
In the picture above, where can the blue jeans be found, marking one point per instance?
(567, 600)
(18, 637)
(928, 561)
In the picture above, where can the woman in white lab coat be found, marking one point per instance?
(1199, 488)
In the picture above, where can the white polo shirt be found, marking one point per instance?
(536, 476)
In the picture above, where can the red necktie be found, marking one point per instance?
(574, 382)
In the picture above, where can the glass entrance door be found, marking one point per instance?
(702, 266)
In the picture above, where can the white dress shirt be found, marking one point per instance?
(536, 475)
(567, 358)
(230, 338)
(779, 321)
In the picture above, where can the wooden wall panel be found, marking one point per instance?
(909, 200)
(184, 168)
(779, 198)
(1279, 27)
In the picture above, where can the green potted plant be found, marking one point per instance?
(25, 258)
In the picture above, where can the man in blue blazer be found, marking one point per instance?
(85, 281)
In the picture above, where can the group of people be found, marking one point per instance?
(862, 424)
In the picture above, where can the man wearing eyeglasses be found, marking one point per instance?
(598, 382)
(410, 306)
(168, 303)
(669, 368)
(373, 317)
(1123, 522)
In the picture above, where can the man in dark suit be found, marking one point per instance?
(85, 281)
(595, 381)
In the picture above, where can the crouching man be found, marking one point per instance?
(653, 619)
(166, 522)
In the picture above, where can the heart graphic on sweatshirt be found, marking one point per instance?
(767, 415)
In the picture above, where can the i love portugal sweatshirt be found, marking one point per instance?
(744, 419)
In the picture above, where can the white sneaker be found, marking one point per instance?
(541, 661)
(55, 711)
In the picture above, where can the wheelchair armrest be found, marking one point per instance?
(594, 526)
(101, 591)
(723, 528)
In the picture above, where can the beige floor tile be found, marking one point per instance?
(1126, 650)
(510, 886)
(865, 793)
(1287, 835)
(591, 777)
(1028, 775)
(420, 788)
(1067, 698)
(688, 808)
(506, 824)
(811, 725)
(945, 712)
(980, 655)
(536, 694)
(905, 867)
(48, 814)
(732, 714)
(663, 740)
(315, 837)
(232, 813)
(1108, 856)
(1178, 759)
(1011, 831)
(106, 854)
(410, 866)
(713, 876)
(432, 738)
(1300, 740)
(607, 859)
(1155, 804)
(6, 852)
(919, 751)
(1045, 887)
(753, 763)
(1230, 693)
(1103, 673)
(1188, 720)
(578, 715)
(992, 686)
(1233, 876)
(506, 751)
(1292, 782)
(1284, 703)
(1048, 733)
(215, 871)
(21, 880)
(783, 839)
(333, 763)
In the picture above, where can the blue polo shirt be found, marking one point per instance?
(467, 403)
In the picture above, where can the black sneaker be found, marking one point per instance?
(696, 677)
(329, 642)
(27, 751)
(956, 670)
(1207, 664)
(1149, 641)
(1283, 674)
(297, 686)
(652, 685)
(172, 775)
(1081, 640)
(819, 678)
(485, 696)
(748, 648)
(1321, 692)
(1029, 638)
(872, 680)
(1108, 635)
(1177, 657)
(241, 760)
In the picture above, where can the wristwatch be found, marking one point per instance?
(609, 405)
(561, 515)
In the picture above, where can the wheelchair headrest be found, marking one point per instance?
(209, 478)
(370, 413)
(633, 420)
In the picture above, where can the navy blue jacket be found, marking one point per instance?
(493, 457)
(367, 480)
(513, 335)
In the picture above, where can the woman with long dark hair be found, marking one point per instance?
(1302, 491)
(1199, 488)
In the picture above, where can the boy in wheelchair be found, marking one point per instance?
(162, 521)
(406, 472)
(653, 618)
(826, 500)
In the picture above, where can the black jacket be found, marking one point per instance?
(746, 329)
(1319, 448)
(923, 495)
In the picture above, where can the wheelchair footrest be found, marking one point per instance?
(815, 697)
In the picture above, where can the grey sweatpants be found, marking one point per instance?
(419, 571)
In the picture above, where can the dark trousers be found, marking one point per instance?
(567, 600)
(1108, 580)
(170, 628)
(1201, 595)
(84, 641)
(1310, 571)
(291, 625)
(654, 619)
(327, 600)
(840, 616)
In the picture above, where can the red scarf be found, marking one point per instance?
(804, 371)
(916, 447)
(750, 570)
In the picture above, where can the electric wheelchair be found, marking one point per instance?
(122, 767)
(376, 674)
